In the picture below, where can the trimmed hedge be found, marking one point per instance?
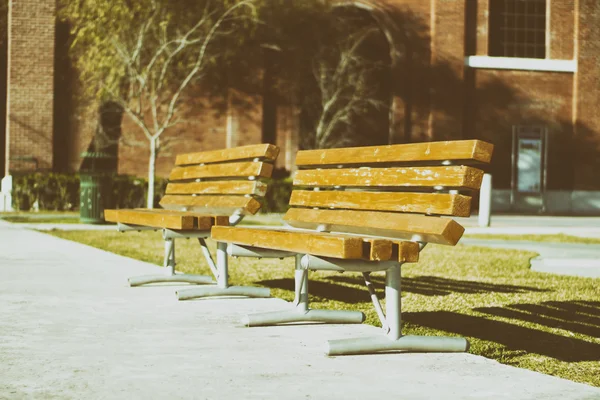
(60, 192)
(51, 191)
(278, 196)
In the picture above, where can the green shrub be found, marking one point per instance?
(279, 192)
(60, 192)
(52, 191)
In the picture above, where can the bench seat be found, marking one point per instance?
(165, 219)
(205, 189)
(367, 210)
(326, 244)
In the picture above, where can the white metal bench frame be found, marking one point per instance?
(392, 340)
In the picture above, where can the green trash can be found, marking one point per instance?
(91, 207)
(93, 187)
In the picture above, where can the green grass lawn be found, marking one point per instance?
(72, 217)
(44, 217)
(542, 322)
(557, 238)
(50, 220)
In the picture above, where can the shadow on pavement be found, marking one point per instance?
(326, 290)
(437, 286)
(575, 316)
(512, 336)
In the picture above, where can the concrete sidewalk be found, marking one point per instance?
(575, 259)
(535, 225)
(72, 328)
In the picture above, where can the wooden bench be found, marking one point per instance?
(205, 189)
(364, 210)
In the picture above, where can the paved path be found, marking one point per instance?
(71, 328)
(574, 259)
(535, 225)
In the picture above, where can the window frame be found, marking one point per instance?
(500, 27)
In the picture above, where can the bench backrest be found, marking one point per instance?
(220, 182)
(396, 191)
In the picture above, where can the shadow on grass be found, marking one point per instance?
(512, 336)
(437, 286)
(326, 290)
(575, 316)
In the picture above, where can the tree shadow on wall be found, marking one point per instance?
(103, 150)
(438, 98)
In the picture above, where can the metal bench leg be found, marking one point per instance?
(301, 312)
(222, 287)
(171, 275)
(393, 340)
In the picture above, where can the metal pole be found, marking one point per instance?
(545, 176)
(173, 261)
(208, 258)
(6, 192)
(301, 286)
(513, 173)
(485, 201)
(169, 260)
(376, 303)
(167, 252)
(393, 302)
(222, 265)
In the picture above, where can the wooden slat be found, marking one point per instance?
(228, 170)
(160, 219)
(462, 150)
(221, 220)
(454, 177)
(218, 187)
(299, 242)
(337, 245)
(405, 251)
(377, 249)
(261, 151)
(424, 203)
(393, 225)
(211, 205)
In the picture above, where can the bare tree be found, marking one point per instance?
(346, 92)
(160, 63)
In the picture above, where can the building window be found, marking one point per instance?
(517, 28)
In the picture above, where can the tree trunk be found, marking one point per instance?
(151, 171)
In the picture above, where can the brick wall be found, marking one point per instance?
(449, 101)
(202, 127)
(448, 67)
(562, 22)
(504, 99)
(436, 98)
(587, 96)
(483, 15)
(30, 85)
(562, 17)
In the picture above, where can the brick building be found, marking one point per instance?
(523, 74)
